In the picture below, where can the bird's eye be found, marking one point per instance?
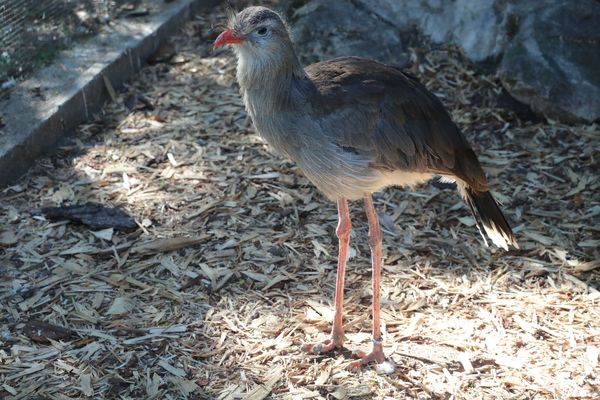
(262, 31)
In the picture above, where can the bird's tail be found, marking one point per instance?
(489, 218)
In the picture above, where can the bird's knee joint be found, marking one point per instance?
(343, 230)
(375, 238)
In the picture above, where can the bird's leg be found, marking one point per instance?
(337, 332)
(343, 233)
(375, 238)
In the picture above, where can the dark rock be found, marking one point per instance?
(546, 51)
(328, 29)
(478, 26)
(553, 62)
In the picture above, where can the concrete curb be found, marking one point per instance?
(55, 100)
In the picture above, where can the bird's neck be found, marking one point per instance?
(270, 85)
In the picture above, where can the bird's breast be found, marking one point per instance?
(336, 170)
(282, 129)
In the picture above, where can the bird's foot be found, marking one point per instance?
(323, 347)
(376, 355)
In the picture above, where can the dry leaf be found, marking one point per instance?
(167, 244)
(173, 370)
(8, 238)
(468, 221)
(105, 234)
(545, 240)
(185, 386)
(152, 385)
(120, 305)
(86, 384)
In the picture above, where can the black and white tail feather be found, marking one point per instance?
(489, 218)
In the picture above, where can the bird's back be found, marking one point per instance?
(374, 109)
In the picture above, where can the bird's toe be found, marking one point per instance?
(376, 355)
(321, 347)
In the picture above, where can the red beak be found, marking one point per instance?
(227, 37)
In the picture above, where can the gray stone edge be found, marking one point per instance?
(43, 136)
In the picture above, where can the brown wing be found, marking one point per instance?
(378, 110)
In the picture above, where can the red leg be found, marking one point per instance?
(337, 332)
(375, 237)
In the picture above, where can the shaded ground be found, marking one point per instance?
(224, 316)
(32, 32)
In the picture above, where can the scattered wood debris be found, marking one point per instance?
(232, 265)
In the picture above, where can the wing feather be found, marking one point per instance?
(380, 111)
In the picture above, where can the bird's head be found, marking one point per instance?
(257, 33)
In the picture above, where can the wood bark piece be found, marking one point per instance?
(167, 244)
(42, 332)
(94, 215)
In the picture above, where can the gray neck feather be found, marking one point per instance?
(270, 83)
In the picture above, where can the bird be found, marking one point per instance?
(354, 126)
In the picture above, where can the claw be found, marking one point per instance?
(375, 355)
(322, 347)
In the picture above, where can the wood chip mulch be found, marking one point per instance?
(232, 265)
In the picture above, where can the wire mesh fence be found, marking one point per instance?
(33, 31)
